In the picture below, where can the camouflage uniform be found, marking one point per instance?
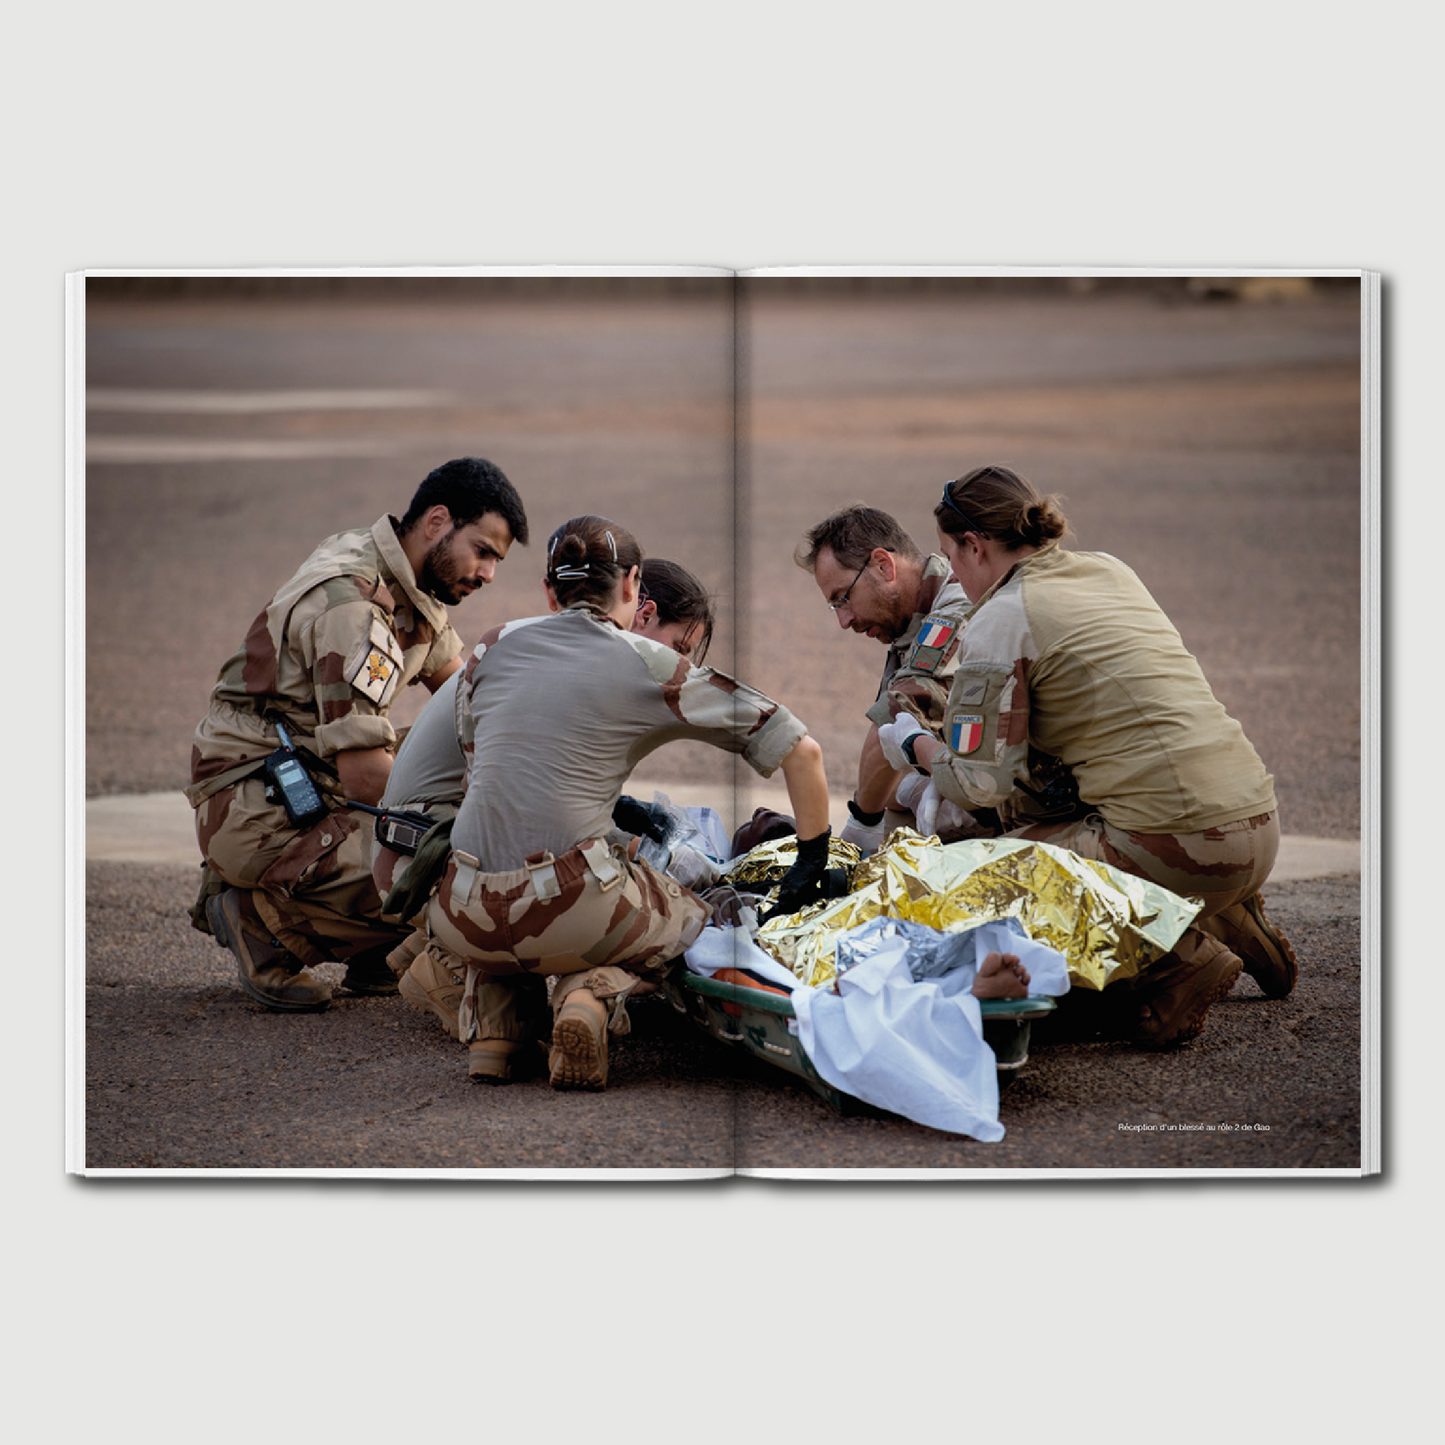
(429, 776)
(920, 663)
(326, 657)
(919, 668)
(1069, 655)
(554, 713)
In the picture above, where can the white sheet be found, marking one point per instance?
(915, 1049)
(733, 948)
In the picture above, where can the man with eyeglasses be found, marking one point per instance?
(881, 585)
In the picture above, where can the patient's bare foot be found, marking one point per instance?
(1001, 975)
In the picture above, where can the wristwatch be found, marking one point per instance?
(868, 820)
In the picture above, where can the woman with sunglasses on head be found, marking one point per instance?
(554, 712)
(1066, 654)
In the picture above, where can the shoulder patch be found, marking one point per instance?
(967, 690)
(381, 662)
(933, 641)
(965, 731)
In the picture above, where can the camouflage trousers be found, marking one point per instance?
(514, 1009)
(312, 888)
(590, 908)
(1222, 865)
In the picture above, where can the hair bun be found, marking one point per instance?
(571, 549)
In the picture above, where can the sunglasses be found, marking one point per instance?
(954, 507)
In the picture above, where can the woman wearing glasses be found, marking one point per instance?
(673, 608)
(1066, 653)
(554, 712)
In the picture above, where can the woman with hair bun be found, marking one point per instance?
(554, 712)
(1066, 654)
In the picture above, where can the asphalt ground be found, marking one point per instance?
(1213, 446)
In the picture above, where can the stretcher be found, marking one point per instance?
(755, 1020)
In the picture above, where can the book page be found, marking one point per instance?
(1215, 432)
(225, 425)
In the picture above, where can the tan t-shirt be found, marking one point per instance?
(1069, 652)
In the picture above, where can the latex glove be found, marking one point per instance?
(926, 809)
(863, 835)
(967, 825)
(807, 880)
(935, 814)
(893, 735)
(911, 789)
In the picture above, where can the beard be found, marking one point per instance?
(441, 576)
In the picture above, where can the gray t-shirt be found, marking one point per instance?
(555, 712)
(430, 766)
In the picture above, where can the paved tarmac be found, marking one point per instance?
(1214, 447)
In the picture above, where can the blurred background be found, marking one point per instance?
(1204, 429)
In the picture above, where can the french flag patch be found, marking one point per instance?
(965, 731)
(936, 632)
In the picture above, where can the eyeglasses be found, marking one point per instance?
(844, 598)
(954, 507)
(642, 593)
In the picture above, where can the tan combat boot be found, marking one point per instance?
(1268, 958)
(433, 988)
(268, 973)
(499, 1061)
(1176, 994)
(578, 1056)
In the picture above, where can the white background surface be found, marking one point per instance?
(157, 135)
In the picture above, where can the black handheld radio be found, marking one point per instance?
(397, 829)
(288, 781)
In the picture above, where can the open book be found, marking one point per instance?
(1217, 432)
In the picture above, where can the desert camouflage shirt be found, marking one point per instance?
(555, 712)
(1069, 652)
(327, 656)
(919, 666)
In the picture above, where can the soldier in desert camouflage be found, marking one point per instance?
(430, 777)
(554, 712)
(1067, 653)
(879, 584)
(364, 616)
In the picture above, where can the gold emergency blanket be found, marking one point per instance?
(762, 870)
(1108, 925)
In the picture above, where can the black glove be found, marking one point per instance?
(807, 880)
(646, 820)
